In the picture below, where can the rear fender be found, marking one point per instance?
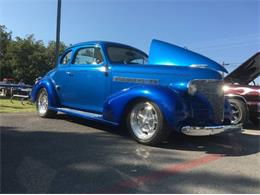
(169, 101)
(49, 86)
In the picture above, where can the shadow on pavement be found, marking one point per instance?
(229, 144)
(72, 162)
(252, 126)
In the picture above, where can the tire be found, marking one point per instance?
(239, 111)
(146, 124)
(42, 104)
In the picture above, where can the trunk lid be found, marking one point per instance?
(246, 72)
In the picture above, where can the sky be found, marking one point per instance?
(224, 30)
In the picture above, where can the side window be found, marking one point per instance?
(66, 58)
(89, 55)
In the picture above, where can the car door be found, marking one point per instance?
(62, 78)
(89, 80)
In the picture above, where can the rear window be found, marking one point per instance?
(125, 55)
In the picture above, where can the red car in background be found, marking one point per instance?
(3, 90)
(243, 92)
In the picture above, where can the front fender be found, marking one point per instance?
(169, 101)
(48, 85)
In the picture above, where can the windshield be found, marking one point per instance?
(125, 55)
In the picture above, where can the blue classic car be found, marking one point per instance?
(172, 89)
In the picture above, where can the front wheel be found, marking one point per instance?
(42, 104)
(145, 123)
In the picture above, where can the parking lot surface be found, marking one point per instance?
(70, 155)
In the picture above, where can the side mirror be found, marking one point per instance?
(104, 69)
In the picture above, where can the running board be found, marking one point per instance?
(83, 114)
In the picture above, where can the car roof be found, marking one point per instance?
(102, 43)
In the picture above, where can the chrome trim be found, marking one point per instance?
(211, 89)
(206, 80)
(199, 66)
(210, 130)
(144, 120)
(135, 80)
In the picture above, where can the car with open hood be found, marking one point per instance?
(243, 92)
(172, 89)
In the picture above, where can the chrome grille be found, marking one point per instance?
(212, 92)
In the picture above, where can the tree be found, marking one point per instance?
(5, 40)
(50, 52)
(25, 58)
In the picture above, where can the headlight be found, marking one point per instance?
(225, 88)
(37, 80)
(192, 89)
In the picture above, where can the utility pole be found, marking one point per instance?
(58, 32)
(224, 64)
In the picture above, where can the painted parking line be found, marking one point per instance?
(121, 187)
(251, 132)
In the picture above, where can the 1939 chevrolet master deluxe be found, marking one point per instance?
(172, 89)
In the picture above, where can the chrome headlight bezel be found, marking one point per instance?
(192, 89)
(225, 88)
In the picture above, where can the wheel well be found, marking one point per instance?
(37, 95)
(240, 98)
(38, 91)
(129, 105)
(236, 97)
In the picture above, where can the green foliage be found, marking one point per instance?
(5, 40)
(25, 58)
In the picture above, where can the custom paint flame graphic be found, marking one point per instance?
(242, 90)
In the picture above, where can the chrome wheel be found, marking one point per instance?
(42, 103)
(236, 113)
(144, 120)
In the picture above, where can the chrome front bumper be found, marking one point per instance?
(210, 130)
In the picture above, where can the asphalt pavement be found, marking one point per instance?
(71, 155)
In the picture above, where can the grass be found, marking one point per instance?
(6, 106)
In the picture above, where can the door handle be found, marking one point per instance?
(69, 73)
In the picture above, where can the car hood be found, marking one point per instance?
(163, 53)
(246, 72)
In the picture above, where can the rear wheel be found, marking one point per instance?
(42, 104)
(238, 111)
(146, 124)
